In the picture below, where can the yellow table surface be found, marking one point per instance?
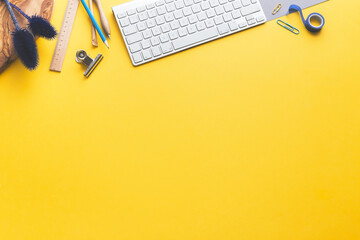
(255, 136)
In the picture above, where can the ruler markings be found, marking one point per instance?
(64, 35)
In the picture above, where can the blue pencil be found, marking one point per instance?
(95, 23)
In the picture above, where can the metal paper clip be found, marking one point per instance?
(277, 8)
(91, 64)
(288, 27)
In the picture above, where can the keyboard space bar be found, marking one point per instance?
(195, 38)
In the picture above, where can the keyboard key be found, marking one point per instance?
(155, 41)
(150, 5)
(169, 17)
(195, 38)
(152, 13)
(174, 25)
(260, 19)
(219, 10)
(236, 14)
(187, 11)
(228, 7)
(166, 47)
(205, 5)
(173, 35)
(210, 13)
(150, 23)
(237, 4)
(182, 32)
(141, 26)
(143, 16)
(192, 19)
(121, 14)
(129, 30)
(209, 23)
(156, 51)
(249, 10)
(156, 31)
(145, 44)
(165, 28)
(134, 38)
(227, 17)
(137, 57)
(242, 23)
(164, 38)
(245, 2)
(184, 22)
(131, 11)
(200, 26)
(135, 47)
(233, 26)
(124, 22)
(159, 3)
(179, 4)
(161, 10)
(133, 19)
(223, 28)
(147, 34)
(196, 8)
(218, 20)
(147, 54)
(191, 29)
(201, 16)
(160, 20)
(170, 7)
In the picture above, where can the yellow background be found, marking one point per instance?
(254, 136)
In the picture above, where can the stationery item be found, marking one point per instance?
(288, 27)
(24, 42)
(39, 26)
(102, 36)
(93, 30)
(312, 17)
(276, 9)
(154, 29)
(64, 35)
(268, 6)
(91, 64)
(104, 22)
(43, 8)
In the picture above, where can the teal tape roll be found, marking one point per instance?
(309, 26)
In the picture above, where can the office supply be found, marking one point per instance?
(276, 9)
(64, 35)
(288, 27)
(43, 8)
(83, 58)
(38, 25)
(102, 36)
(268, 6)
(104, 22)
(94, 41)
(155, 29)
(23, 41)
(317, 17)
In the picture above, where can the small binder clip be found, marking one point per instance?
(91, 64)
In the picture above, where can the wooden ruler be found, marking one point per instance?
(64, 35)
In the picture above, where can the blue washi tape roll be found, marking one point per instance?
(315, 16)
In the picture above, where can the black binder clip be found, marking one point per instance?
(91, 64)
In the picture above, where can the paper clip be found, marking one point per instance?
(277, 8)
(288, 27)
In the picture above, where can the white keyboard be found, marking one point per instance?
(153, 29)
